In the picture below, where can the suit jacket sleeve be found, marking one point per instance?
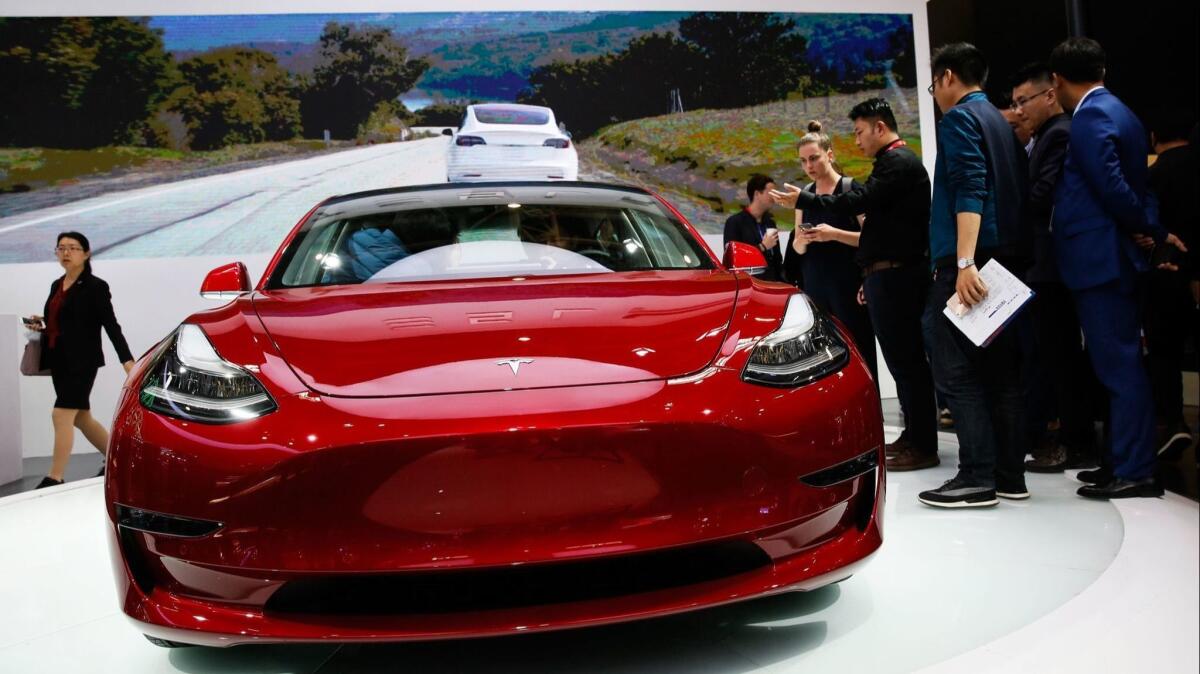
(1094, 149)
(108, 319)
(1052, 155)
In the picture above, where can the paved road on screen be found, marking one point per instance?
(230, 214)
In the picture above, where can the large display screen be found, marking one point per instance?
(169, 136)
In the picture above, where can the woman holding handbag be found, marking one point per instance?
(78, 306)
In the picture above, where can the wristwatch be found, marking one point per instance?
(964, 262)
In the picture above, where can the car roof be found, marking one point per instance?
(491, 186)
(509, 106)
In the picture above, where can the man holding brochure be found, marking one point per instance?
(976, 218)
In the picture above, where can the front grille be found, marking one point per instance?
(452, 591)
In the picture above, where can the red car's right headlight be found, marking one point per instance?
(189, 380)
(806, 347)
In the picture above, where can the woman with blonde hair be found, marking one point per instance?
(820, 253)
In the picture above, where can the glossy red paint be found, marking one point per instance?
(229, 278)
(739, 255)
(608, 453)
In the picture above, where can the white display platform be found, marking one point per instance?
(1053, 584)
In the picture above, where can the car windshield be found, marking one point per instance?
(452, 241)
(502, 115)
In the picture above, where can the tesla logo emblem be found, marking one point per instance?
(514, 363)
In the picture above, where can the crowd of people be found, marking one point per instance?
(1056, 188)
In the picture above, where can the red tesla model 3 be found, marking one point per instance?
(464, 410)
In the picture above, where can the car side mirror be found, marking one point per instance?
(743, 257)
(226, 282)
(447, 132)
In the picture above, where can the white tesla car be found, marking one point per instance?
(506, 141)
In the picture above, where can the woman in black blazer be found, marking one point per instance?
(78, 306)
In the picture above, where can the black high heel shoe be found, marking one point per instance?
(48, 482)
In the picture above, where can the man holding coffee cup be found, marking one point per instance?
(755, 226)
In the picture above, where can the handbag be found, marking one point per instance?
(31, 360)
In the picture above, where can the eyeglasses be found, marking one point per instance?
(68, 249)
(1021, 102)
(936, 79)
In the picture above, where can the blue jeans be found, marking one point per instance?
(983, 388)
(895, 300)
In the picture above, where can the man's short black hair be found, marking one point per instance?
(1171, 123)
(874, 110)
(1078, 59)
(964, 60)
(756, 183)
(1033, 72)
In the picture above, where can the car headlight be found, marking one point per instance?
(806, 347)
(189, 380)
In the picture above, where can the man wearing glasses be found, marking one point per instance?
(979, 188)
(1067, 373)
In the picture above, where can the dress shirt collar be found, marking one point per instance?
(1089, 93)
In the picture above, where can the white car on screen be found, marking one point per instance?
(506, 141)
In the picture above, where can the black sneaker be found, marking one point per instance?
(48, 482)
(945, 420)
(959, 493)
(1012, 490)
(1172, 440)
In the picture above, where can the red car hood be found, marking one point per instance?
(401, 339)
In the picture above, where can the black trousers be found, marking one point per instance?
(1065, 365)
(1169, 320)
(896, 301)
(839, 297)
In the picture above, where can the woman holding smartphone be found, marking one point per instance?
(78, 306)
(821, 248)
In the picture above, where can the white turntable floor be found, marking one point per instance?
(1056, 583)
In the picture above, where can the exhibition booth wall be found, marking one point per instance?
(154, 244)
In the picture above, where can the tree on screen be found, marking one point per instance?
(359, 68)
(236, 95)
(79, 82)
(748, 57)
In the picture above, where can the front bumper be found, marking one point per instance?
(381, 491)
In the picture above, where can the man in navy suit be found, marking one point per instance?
(1100, 209)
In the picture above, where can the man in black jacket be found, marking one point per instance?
(755, 226)
(1060, 349)
(893, 252)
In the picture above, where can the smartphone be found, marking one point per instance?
(805, 226)
(1164, 253)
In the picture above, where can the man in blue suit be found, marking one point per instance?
(1100, 208)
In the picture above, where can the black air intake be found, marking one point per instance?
(454, 590)
(167, 525)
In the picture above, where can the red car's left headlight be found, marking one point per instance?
(804, 348)
(188, 379)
